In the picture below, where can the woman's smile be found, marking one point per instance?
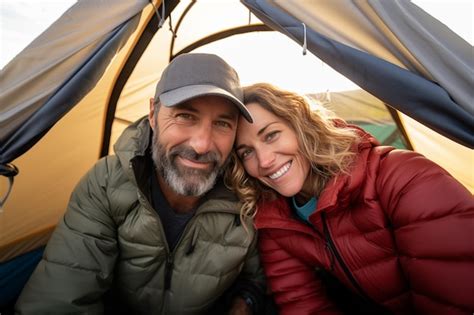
(282, 171)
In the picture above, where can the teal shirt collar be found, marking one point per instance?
(305, 210)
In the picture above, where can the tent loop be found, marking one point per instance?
(250, 17)
(10, 171)
(305, 46)
(161, 18)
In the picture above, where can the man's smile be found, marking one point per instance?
(193, 163)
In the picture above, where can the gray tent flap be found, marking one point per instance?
(417, 97)
(447, 57)
(67, 95)
(32, 78)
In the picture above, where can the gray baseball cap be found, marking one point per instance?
(195, 74)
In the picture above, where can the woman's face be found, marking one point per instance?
(269, 151)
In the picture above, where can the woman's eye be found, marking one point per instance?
(245, 153)
(270, 136)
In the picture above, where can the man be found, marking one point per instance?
(153, 230)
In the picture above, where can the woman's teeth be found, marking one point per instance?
(281, 171)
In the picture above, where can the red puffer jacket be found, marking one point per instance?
(399, 230)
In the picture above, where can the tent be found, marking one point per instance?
(68, 95)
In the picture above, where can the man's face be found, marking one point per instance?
(192, 142)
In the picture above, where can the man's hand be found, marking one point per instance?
(239, 307)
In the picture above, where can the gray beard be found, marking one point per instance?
(186, 181)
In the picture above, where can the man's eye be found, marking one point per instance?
(184, 116)
(223, 124)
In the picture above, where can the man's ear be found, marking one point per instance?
(151, 114)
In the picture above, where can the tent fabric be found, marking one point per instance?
(67, 96)
(399, 32)
(406, 91)
(445, 56)
(458, 160)
(36, 92)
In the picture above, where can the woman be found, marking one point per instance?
(334, 208)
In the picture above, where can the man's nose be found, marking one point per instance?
(201, 139)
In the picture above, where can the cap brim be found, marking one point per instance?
(177, 96)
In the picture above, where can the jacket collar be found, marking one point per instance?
(278, 214)
(134, 141)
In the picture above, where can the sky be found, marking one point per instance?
(21, 21)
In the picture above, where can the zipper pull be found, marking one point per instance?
(168, 272)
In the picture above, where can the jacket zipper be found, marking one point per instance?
(332, 247)
(169, 254)
(168, 271)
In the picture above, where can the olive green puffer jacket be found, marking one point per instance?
(112, 240)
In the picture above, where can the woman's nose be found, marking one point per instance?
(266, 158)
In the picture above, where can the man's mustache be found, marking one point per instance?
(188, 153)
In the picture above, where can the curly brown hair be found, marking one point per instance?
(327, 145)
